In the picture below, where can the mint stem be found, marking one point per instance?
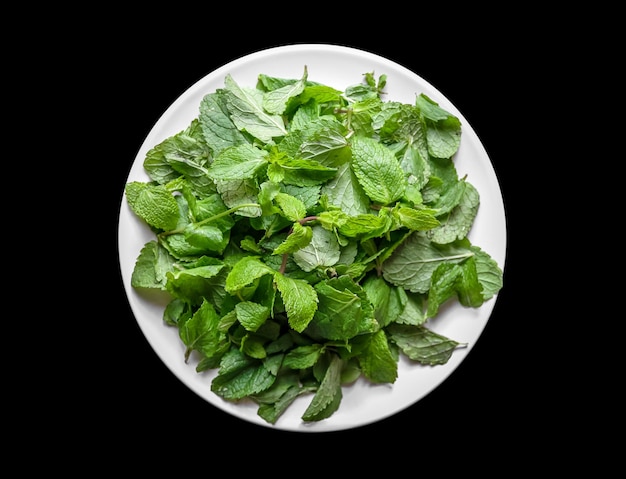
(213, 218)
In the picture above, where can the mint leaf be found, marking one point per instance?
(444, 130)
(240, 376)
(300, 301)
(343, 298)
(328, 396)
(237, 163)
(413, 263)
(376, 360)
(152, 266)
(322, 251)
(219, 130)
(251, 315)
(377, 170)
(275, 101)
(244, 272)
(422, 345)
(247, 113)
(155, 204)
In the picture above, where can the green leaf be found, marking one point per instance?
(303, 357)
(275, 101)
(296, 171)
(365, 226)
(416, 219)
(251, 315)
(276, 400)
(300, 300)
(344, 310)
(217, 126)
(201, 332)
(206, 237)
(457, 224)
(196, 282)
(238, 163)
(444, 129)
(412, 264)
(327, 145)
(292, 208)
(247, 112)
(387, 300)
(328, 396)
(422, 345)
(244, 272)
(377, 362)
(322, 251)
(240, 376)
(153, 203)
(345, 192)
(152, 266)
(377, 170)
(489, 273)
(299, 237)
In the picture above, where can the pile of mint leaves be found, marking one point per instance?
(305, 236)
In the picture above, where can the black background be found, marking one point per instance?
(133, 396)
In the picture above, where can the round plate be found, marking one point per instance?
(337, 66)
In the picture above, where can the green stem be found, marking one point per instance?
(214, 217)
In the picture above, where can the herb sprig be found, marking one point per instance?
(306, 236)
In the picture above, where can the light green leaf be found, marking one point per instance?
(457, 224)
(244, 272)
(217, 127)
(300, 300)
(251, 315)
(153, 203)
(292, 208)
(275, 101)
(345, 192)
(238, 163)
(377, 170)
(247, 112)
(299, 237)
(322, 251)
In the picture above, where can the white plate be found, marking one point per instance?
(339, 67)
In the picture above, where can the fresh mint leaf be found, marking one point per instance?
(300, 299)
(413, 263)
(321, 252)
(275, 101)
(151, 267)
(219, 130)
(342, 297)
(444, 130)
(456, 224)
(376, 360)
(244, 272)
(247, 113)
(155, 204)
(238, 163)
(251, 315)
(241, 376)
(201, 332)
(328, 396)
(421, 344)
(377, 170)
